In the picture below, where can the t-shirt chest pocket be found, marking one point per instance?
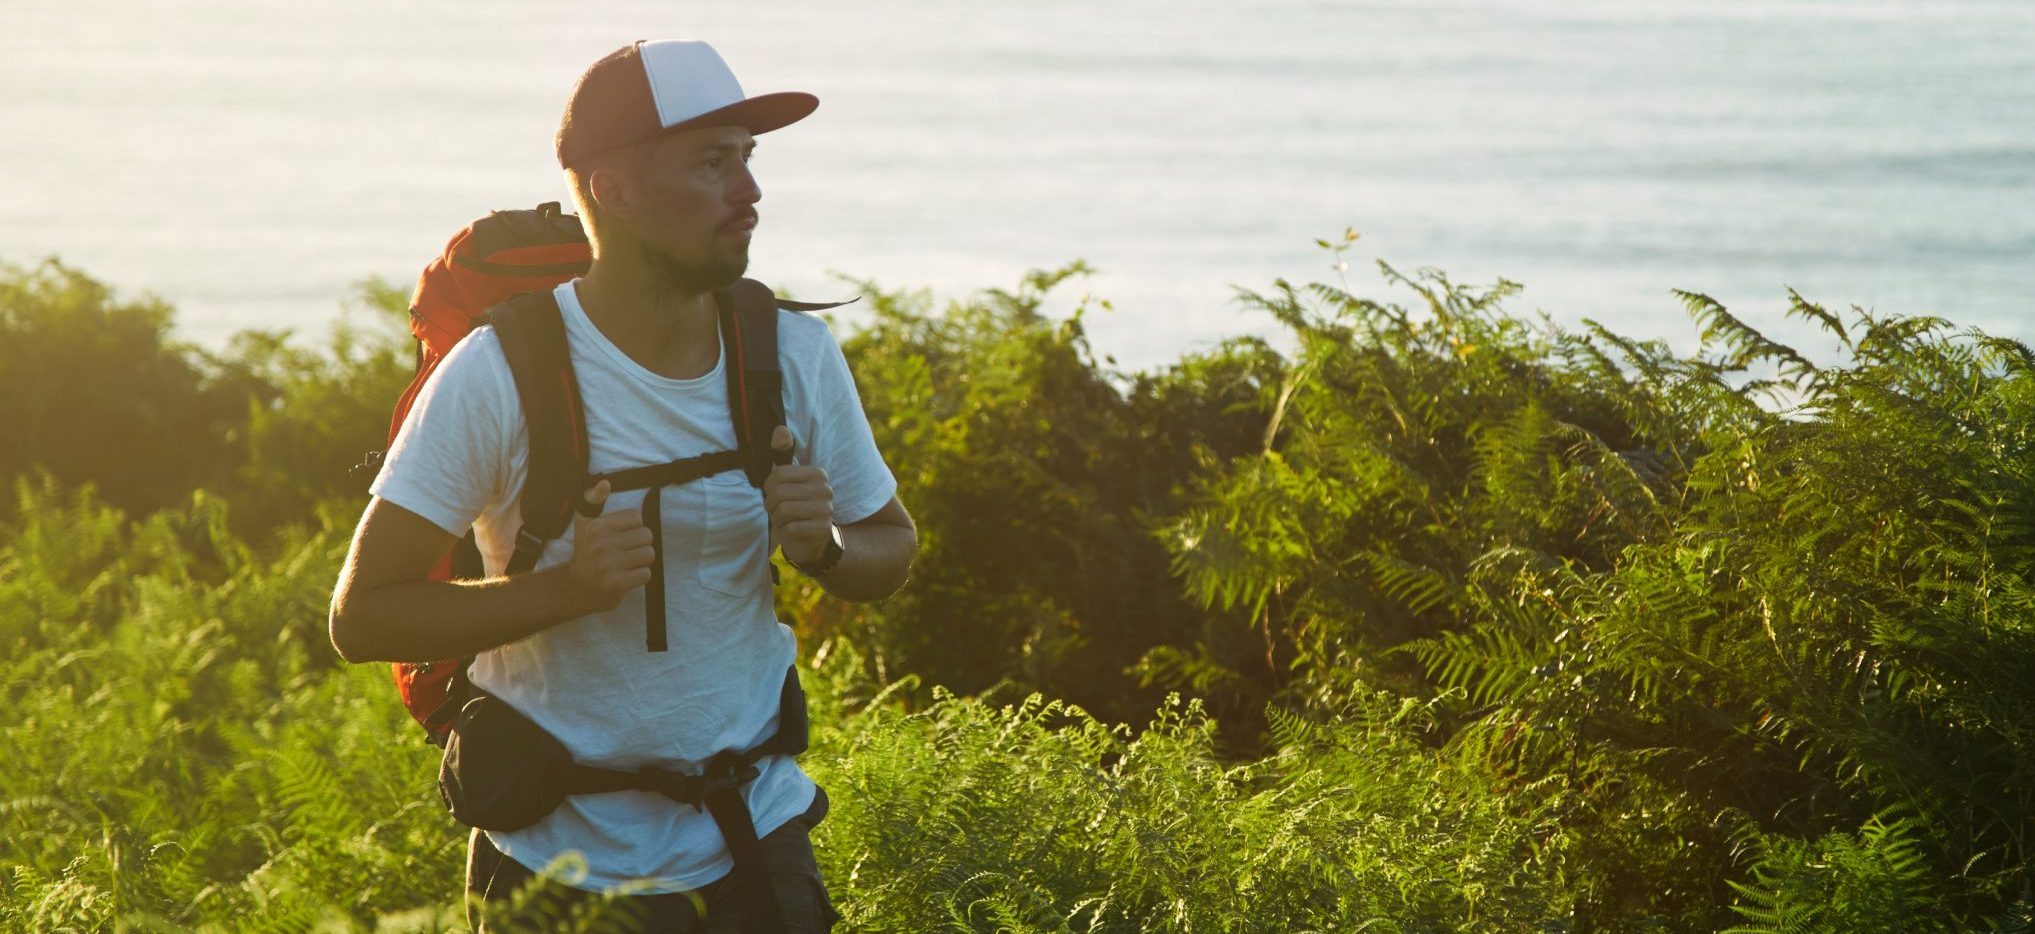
(734, 536)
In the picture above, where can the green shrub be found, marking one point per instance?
(184, 754)
(1035, 817)
(1669, 588)
(1487, 625)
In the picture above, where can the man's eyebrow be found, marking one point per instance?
(750, 146)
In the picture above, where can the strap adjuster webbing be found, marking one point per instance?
(717, 790)
(654, 623)
(529, 548)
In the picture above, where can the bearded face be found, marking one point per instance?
(685, 204)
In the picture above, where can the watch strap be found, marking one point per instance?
(827, 559)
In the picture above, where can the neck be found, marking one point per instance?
(667, 330)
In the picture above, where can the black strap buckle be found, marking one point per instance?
(724, 772)
(529, 548)
(673, 785)
(721, 775)
(370, 465)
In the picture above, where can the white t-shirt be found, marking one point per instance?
(460, 460)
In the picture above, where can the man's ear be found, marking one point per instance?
(610, 190)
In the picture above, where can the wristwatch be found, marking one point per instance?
(827, 560)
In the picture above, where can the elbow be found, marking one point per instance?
(344, 628)
(911, 555)
(897, 581)
(893, 582)
(869, 587)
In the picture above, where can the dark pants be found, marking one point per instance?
(501, 897)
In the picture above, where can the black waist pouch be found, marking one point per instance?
(501, 772)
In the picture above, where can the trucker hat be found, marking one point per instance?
(645, 89)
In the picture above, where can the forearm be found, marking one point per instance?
(424, 620)
(875, 560)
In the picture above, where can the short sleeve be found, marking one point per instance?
(832, 427)
(451, 459)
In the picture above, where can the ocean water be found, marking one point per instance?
(249, 161)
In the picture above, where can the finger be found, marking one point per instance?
(638, 557)
(803, 505)
(788, 477)
(809, 491)
(798, 473)
(805, 539)
(805, 509)
(770, 492)
(595, 499)
(780, 440)
(809, 531)
(621, 520)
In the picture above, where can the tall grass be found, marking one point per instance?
(1450, 620)
(182, 753)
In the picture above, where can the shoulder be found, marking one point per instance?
(479, 351)
(802, 333)
(475, 370)
(801, 325)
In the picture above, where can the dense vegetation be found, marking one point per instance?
(1446, 620)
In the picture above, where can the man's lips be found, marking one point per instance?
(742, 224)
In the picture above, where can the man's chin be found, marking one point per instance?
(717, 273)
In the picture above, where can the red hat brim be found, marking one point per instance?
(759, 114)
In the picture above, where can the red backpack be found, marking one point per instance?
(499, 271)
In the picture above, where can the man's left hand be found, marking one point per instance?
(800, 502)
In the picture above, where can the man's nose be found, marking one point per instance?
(746, 190)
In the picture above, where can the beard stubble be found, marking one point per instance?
(695, 276)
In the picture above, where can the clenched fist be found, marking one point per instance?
(611, 553)
(801, 506)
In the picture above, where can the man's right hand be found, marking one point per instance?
(386, 607)
(611, 553)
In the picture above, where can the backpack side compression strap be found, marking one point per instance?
(532, 333)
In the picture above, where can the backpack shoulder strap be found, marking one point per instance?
(532, 333)
(748, 319)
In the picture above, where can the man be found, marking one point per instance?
(655, 143)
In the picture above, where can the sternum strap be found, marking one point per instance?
(653, 480)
